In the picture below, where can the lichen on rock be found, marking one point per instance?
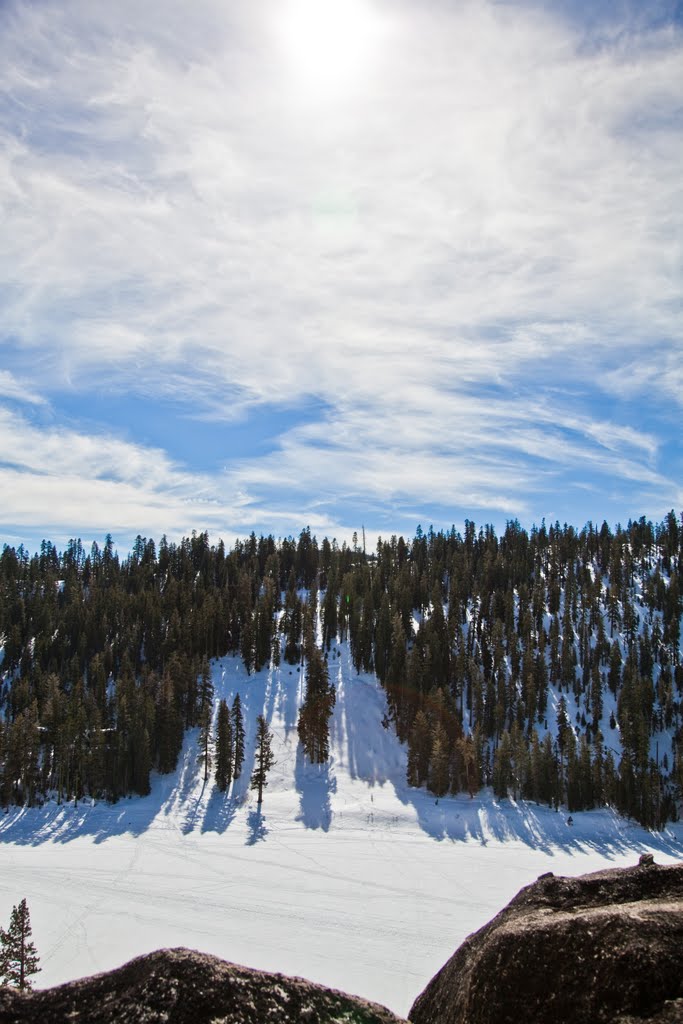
(603, 948)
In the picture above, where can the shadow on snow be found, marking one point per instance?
(256, 824)
(314, 786)
(363, 749)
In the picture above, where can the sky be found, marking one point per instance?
(338, 263)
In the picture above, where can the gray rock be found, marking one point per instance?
(178, 986)
(604, 947)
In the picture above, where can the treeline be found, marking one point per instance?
(544, 663)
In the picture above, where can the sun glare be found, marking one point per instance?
(328, 43)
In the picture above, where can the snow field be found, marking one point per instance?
(348, 877)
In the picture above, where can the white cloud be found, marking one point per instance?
(65, 483)
(62, 476)
(457, 259)
(17, 390)
(659, 371)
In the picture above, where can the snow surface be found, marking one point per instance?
(347, 877)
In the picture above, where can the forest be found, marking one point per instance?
(545, 664)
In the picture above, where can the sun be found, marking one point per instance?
(328, 44)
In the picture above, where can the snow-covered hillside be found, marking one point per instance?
(348, 876)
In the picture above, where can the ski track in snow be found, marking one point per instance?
(348, 877)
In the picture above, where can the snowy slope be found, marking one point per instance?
(348, 877)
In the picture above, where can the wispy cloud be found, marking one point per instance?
(60, 480)
(18, 390)
(59, 477)
(472, 259)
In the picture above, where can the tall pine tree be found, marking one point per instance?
(237, 736)
(18, 955)
(224, 747)
(264, 760)
(205, 696)
(314, 716)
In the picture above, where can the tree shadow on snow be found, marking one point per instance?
(374, 755)
(222, 808)
(53, 823)
(314, 785)
(169, 805)
(219, 812)
(371, 751)
(178, 802)
(256, 824)
(484, 819)
(258, 696)
(286, 694)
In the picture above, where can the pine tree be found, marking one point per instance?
(168, 727)
(467, 750)
(105, 671)
(396, 679)
(204, 757)
(237, 736)
(247, 642)
(205, 714)
(139, 758)
(18, 955)
(596, 694)
(264, 757)
(205, 689)
(438, 762)
(419, 750)
(502, 766)
(224, 747)
(313, 725)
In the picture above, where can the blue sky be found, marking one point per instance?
(309, 262)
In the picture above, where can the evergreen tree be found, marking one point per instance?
(248, 642)
(224, 747)
(204, 715)
(563, 726)
(502, 766)
(106, 660)
(292, 623)
(419, 750)
(168, 727)
(396, 678)
(264, 760)
(596, 702)
(237, 736)
(204, 757)
(439, 775)
(470, 757)
(139, 758)
(18, 956)
(205, 690)
(314, 715)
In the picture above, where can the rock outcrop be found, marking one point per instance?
(604, 947)
(178, 986)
